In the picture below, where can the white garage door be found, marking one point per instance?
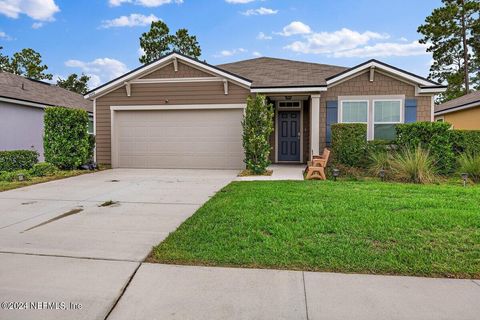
(207, 139)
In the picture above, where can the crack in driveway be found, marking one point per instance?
(63, 215)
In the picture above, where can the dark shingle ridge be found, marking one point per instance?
(277, 72)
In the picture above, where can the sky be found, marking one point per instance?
(100, 37)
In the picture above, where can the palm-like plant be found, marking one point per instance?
(470, 164)
(413, 165)
(379, 161)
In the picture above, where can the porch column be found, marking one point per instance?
(315, 125)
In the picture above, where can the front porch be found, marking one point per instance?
(297, 125)
(292, 171)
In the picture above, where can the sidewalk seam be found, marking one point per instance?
(122, 292)
(305, 294)
(478, 284)
(68, 257)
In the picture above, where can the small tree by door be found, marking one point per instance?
(257, 126)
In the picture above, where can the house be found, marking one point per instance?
(22, 103)
(462, 113)
(178, 112)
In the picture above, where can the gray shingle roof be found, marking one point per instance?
(459, 102)
(273, 72)
(17, 87)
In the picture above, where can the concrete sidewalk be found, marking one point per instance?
(184, 292)
(280, 172)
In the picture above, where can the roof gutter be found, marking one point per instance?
(436, 89)
(288, 89)
(23, 102)
(31, 103)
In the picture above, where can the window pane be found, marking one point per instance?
(354, 111)
(387, 111)
(384, 132)
(90, 126)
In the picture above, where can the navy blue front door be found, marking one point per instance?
(288, 136)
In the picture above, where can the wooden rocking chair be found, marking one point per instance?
(316, 168)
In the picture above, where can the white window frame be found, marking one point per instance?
(370, 107)
(340, 116)
(402, 114)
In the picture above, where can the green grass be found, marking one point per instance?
(6, 185)
(344, 226)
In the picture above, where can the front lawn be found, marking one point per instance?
(344, 226)
(8, 185)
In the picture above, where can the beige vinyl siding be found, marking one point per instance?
(156, 94)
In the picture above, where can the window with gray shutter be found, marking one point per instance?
(332, 118)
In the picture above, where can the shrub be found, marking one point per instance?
(43, 169)
(257, 126)
(413, 165)
(374, 146)
(65, 140)
(465, 141)
(91, 146)
(470, 163)
(434, 136)
(13, 175)
(349, 143)
(17, 159)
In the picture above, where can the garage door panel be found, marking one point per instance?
(179, 139)
(173, 161)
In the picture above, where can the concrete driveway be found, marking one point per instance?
(58, 244)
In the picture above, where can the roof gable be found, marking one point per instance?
(159, 63)
(183, 71)
(423, 82)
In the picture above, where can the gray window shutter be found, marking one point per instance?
(410, 110)
(332, 118)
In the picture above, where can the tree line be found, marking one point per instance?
(451, 32)
(155, 43)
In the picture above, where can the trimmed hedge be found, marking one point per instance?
(443, 143)
(350, 146)
(349, 143)
(17, 160)
(11, 176)
(466, 141)
(43, 169)
(91, 147)
(434, 136)
(66, 138)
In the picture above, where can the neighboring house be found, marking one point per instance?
(22, 102)
(178, 112)
(462, 113)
